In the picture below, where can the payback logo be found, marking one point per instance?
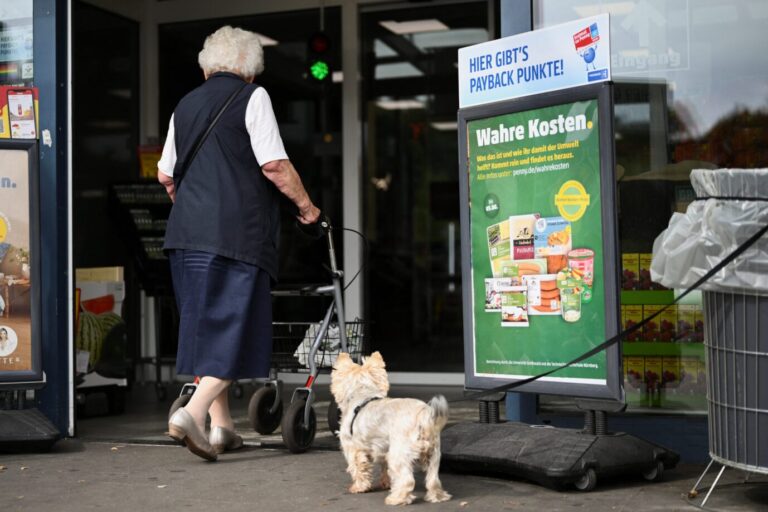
(586, 42)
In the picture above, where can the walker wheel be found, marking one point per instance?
(177, 404)
(261, 402)
(587, 482)
(297, 436)
(656, 473)
(334, 417)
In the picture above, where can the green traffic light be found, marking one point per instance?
(319, 70)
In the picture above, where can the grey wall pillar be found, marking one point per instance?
(51, 62)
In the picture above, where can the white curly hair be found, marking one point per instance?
(232, 49)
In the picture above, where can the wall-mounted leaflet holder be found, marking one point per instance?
(21, 428)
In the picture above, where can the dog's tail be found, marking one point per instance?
(439, 406)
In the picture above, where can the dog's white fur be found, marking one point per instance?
(398, 433)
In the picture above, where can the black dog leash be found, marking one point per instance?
(615, 339)
(358, 408)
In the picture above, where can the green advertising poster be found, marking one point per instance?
(537, 243)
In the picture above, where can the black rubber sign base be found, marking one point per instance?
(553, 457)
(26, 430)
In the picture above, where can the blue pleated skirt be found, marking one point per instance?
(225, 308)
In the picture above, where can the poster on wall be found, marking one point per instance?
(541, 286)
(16, 42)
(19, 348)
(19, 112)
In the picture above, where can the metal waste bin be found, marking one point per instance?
(731, 206)
(737, 365)
(730, 209)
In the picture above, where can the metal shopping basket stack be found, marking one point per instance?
(731, 207)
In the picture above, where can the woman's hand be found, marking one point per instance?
(167, 182)
(171, 190)
(309, 215)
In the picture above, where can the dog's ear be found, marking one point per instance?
(374, 361)
(343, 360)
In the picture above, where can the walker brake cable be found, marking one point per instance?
(365, 255)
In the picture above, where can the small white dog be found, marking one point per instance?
(398, 433)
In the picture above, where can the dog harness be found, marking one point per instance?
(358, 408)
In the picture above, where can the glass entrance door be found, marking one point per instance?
(410, 180)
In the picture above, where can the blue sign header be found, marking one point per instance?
(567, 55)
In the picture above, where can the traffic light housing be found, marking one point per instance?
(318, 51)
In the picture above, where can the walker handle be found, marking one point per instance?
(316, 230)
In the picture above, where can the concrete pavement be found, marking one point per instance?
(124, 463)
(79, 476)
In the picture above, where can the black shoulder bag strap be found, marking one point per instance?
(201, 140)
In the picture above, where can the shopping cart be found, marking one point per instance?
(306, 347)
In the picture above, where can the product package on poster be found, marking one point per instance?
(493, 287)
(498, 245)
(514, 306)
(540, 170)
(521, 235)
(543, 294)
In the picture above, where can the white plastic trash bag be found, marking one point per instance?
(711, 229)
(330, 346)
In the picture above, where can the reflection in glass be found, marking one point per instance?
(690, 93)
(16, 38)
(411, 210)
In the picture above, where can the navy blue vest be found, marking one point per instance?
(225, 205)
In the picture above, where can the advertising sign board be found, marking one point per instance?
(539, 241)
(567, 55)
(20, 359)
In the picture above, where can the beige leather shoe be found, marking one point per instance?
(182, 427)
(224, 440)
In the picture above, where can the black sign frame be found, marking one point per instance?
(26, 379)
(603, 93)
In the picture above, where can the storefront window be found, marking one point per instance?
(16, 63)
(690, 93)
(411, 192)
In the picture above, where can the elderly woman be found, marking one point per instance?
(222, 233)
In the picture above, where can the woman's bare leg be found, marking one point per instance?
(219, 411)
(208, 390)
